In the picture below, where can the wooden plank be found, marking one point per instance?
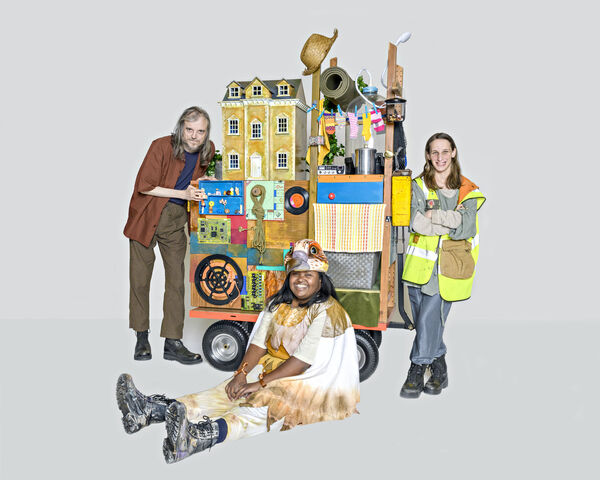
(387, 191)
(314, 152)
(224, 314)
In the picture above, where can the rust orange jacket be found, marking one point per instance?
(160, 168)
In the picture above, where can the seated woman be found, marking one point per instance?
(301, 367)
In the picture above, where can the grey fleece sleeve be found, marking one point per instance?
(468, 226)
(419, 223)
(447, 218)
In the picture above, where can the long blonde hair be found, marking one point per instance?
(454, 179)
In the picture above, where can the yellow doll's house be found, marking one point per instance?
(264, 130)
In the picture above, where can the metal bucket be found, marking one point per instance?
(364, 160)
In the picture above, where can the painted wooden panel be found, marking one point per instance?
(370, 192)
(292, 229)
(229, 249)
(273, 281)
(271, 257)
(197, 300)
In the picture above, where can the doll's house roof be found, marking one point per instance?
(296, 92)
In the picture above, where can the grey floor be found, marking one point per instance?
(522, 403)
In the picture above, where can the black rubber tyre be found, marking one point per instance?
(376, 335)
(224, 345)
(368, 355)
(247, 326)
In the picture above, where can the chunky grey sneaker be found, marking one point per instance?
(439, 377)
(185, 438)
(413, 386)
(139, 410)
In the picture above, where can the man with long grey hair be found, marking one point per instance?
(158, 215)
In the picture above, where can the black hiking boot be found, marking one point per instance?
(176, 350)
(185, 438)
(439, 377)
(142, 347)
(413, 386)
(139, 410)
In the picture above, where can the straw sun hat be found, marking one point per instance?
(315, 50)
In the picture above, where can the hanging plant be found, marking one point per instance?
(335, 150)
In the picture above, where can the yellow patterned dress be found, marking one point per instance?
(321, 336)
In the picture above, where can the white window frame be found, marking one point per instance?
(232, 90)
(257, 90)
(258, 124)
(233, 157)
(285, 157)
(230, 123)
(287, 124)
(287, 90)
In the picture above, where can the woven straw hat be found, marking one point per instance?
(315, 50)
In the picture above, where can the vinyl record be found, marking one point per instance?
(296, 200)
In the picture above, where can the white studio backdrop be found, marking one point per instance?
(86, 86)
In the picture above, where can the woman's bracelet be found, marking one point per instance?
(241, 369)
(263, 384)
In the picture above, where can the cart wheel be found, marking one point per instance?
(376, 335)
(224, 345)
(247, 326)
(368, 355)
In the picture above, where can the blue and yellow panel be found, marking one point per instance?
(222, 197)
(350, 189)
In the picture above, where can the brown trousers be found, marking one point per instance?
(172, 243)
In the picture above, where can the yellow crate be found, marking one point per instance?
(401, 200)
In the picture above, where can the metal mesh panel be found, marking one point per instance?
(353, 270)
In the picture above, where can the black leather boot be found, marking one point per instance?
(185, 438)
(139, 410)
(175, 350)
(142, 347)
(413, 386)
(439, 377)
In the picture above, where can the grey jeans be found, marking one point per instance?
(429, 316)
(172, 243)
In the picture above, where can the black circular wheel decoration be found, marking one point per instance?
(296, 200)
(218, 279)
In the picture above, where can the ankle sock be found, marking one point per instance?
(222, 429)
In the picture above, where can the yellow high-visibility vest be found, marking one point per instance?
(422, 253)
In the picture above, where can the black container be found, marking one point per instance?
(350, 169)
(379, 164)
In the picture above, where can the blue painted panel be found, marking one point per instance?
(224, 195)
(350, 192)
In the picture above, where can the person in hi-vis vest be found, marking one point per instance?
(440, 259)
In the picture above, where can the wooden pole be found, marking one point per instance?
(314, 152)
(387, 192)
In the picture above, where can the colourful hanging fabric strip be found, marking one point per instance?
(329, 123)
(353, 124)
(354, 228)
(366, 130)
(378, 123)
